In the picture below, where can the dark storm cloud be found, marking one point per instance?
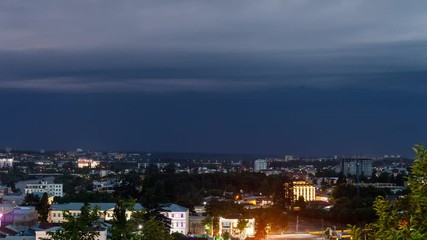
(94, 46)
(297, 77)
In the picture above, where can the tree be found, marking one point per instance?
(154, 229)
(82, 227)
(122, 228)
(241, 225)
(43, 208)
(31, 200)
(131, 186)
(405, 218)
(226, 236)
(260, 229)
(170, 168)
(208, 225)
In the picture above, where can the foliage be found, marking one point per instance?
(31, 200)
(154, 229)
(11, 177)
(260, 229)
(73, 184)
(276, 220)
(241, 225)
(178, 236)
(223, 208)
(405, 218)
(122, 228)
(81, 227)
(130, 186)
(84, 196)
(348, 207)
(226, 236)
(43, 208)
(189, 189)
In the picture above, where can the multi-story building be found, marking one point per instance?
(356, 167)
(87, 163)
(179, 217)
(230, 225)
(303, 189)
(104, 186)
(20, 216)
(54, 189)
(259, 165)
(106, 210)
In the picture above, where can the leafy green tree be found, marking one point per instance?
(405, 218)
(81, 227)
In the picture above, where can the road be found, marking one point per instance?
(304, 236)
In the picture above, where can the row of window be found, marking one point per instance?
(178, 224)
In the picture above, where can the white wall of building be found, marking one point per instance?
(50, 188)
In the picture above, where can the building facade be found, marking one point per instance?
(259, 165)
(87, 163)
(303, 189)
(179, 217)
(230, 225)
(20, 216)
(356, 167)
(54, 189)
(56, 211)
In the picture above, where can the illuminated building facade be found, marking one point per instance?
(304, 189)
(87, 163)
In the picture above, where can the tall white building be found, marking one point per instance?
(54, 189)
(259, 165)
(179, 217)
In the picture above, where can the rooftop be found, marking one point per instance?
(172, 207)
(79, 205)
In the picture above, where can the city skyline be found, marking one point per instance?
(294, 77)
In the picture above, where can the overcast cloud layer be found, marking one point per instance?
(297, 77)
(97, 46)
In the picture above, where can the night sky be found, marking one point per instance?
(279, 77)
